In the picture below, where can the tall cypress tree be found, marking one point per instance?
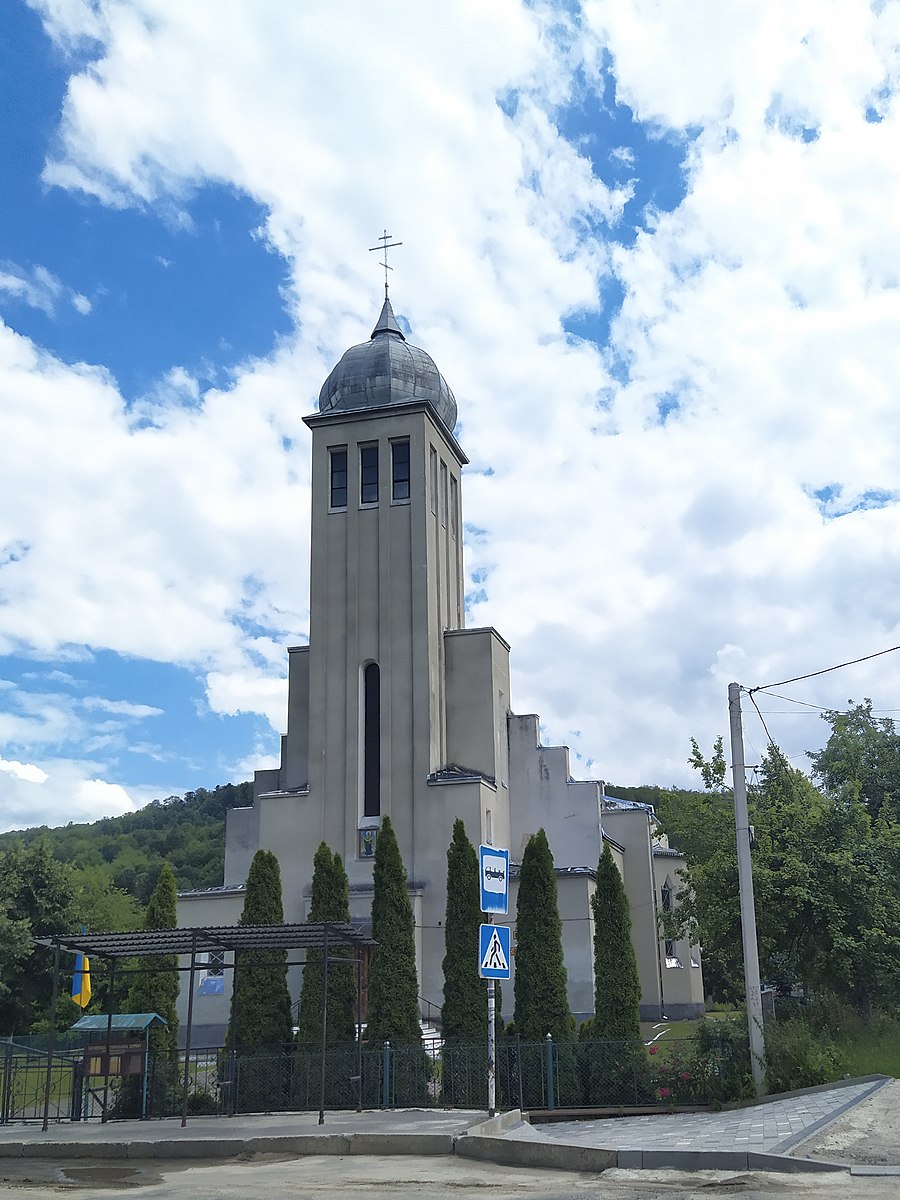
(617, 987)
(155, 989)
(541, 1005)
(260, 1003)
(330, 902)
(464, 1012)
(393, 982)
(613, 1062)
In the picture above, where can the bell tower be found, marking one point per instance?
(386, 581)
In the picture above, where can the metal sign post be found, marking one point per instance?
(492, 1049)
(494, 949)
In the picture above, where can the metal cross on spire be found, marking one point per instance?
(385, 245)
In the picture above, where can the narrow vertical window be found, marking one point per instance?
(368, 474)
(433, 464)
(443, 493)
(372, 741)
(400, 470)
(338, 479)
(454, 507)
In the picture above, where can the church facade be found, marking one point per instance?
(395, 707)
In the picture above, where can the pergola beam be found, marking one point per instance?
(150, 943)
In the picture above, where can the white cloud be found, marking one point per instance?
(39, 288)
(26, 771)
(60, 791)
(122, 708)
(651, 527)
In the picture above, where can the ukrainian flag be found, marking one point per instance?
(81, 981)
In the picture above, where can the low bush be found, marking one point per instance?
(799, 1056)
(720, 1061)
(202, 1104)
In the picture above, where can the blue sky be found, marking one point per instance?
(654, 252)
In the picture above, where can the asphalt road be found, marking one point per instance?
(402, 1178)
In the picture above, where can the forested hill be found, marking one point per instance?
(188, 832)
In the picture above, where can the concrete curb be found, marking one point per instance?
(535, 1154)
(484, 1142)
(720, 1160)
(297, 1145)
(494, 1126)
(424, 1144)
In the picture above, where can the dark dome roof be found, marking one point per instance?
(386, 370)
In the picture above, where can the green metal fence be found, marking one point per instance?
(706, 1070)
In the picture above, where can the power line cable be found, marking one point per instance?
(825, 670)
(772, 745)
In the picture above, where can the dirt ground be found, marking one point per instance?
(869, 1133)
(373, 1178)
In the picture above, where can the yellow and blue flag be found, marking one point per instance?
(81, 981)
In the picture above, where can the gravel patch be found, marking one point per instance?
(868, 1133)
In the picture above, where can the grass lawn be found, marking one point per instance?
(667, 1031)
(872, 1050)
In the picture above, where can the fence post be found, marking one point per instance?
(7, 1083)
(548, 1058)
(519, 1070)
(634, 1073)
(386, 1076)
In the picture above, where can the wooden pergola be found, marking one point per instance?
(150, 943)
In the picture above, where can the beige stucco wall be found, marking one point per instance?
(544, 795)
(682, 986)
(196, 910)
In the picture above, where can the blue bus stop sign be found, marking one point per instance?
(494, 865)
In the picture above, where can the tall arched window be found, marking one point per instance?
(372, 741)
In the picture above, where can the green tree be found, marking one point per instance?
(861, 758)
(464, 1012)
(154, 988)
(15, 946)
(541, 1005)
(824, 873)
(100, 906)
(393, 982)
(260, 1002)
(611, 1069)
(617, 988)
(330, 902)
(35, 901)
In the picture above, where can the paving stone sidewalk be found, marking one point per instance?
(770, 1128)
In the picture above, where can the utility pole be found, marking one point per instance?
(745, 889)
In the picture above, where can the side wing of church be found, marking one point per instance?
(395, 707)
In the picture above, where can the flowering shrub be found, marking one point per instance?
(674, 1082)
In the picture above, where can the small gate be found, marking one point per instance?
(23, 1085)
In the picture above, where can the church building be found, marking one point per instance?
(396, 708)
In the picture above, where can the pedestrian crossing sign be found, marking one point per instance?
(494, 952)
